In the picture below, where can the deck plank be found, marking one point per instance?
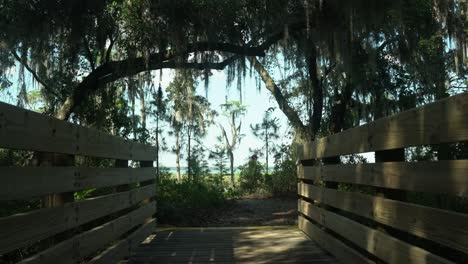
(230, 245)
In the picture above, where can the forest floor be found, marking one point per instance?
(248, 211)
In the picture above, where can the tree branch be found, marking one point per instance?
(109, 49)
(225, 136)
(112, 71)
(89, 54)
(93, 81)
(34, 74)
(283, 104)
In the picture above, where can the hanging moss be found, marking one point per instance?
(64, 41)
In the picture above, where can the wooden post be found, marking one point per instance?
(443, 201)
(331, 161)
(54, 159)
(146, 164)
(122, 164)
(47, 159)
(389, 156)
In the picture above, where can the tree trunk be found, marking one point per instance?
(231, 158)
(288, 111)
(42, 159)
(134, 126)
(189, 163)
(177, 155)
(338, 112)
(157, 146)
(143, 109)
(266, 146)
(317, 94)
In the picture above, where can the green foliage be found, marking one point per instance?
(267, 131)
(421, 153)
(233, 111)
(178, 202)
(251, 178)
(220, 157)
(198, 168)
(353, 159)
(83, 194)
(283, 180)
(386, 56)
(14, 157)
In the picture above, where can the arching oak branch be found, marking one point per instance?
(112, 71)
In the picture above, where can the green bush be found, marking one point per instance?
(283, 180)
(251, 178)
(180, 201)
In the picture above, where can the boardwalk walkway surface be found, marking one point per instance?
(230, 245)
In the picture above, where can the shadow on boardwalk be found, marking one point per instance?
(285, 244)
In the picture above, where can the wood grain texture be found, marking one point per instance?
(123, 248)
(447, 177)
(20, 230)
(337, 248)
(379, 244)
(26, 130)
(25, 182)
(82, 245)
(444, 227)
(230, 245)
(440, 122)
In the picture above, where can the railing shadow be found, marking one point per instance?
(230, 245)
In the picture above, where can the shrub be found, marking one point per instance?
(283, 180)
(250, 177)
(179, 202)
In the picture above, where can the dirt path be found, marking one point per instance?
(257, 212)
(248, 212)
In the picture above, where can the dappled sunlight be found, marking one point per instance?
(254, 245)
(148, 239)
(168, 236)
(289, 212)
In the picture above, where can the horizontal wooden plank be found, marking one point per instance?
(25, 182)
(337, 248)
(20, 230)
(444, 227)
(290, 254)
(440, 122)
(124, 247)
(77, 248)
(258, 245)
(448, 177)
(373, 241)
(27, 130)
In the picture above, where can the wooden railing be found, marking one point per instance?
(100, 229)
(366, 213)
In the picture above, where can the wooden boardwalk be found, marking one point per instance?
(230, 245)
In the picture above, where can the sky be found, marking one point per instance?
(257, 102)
